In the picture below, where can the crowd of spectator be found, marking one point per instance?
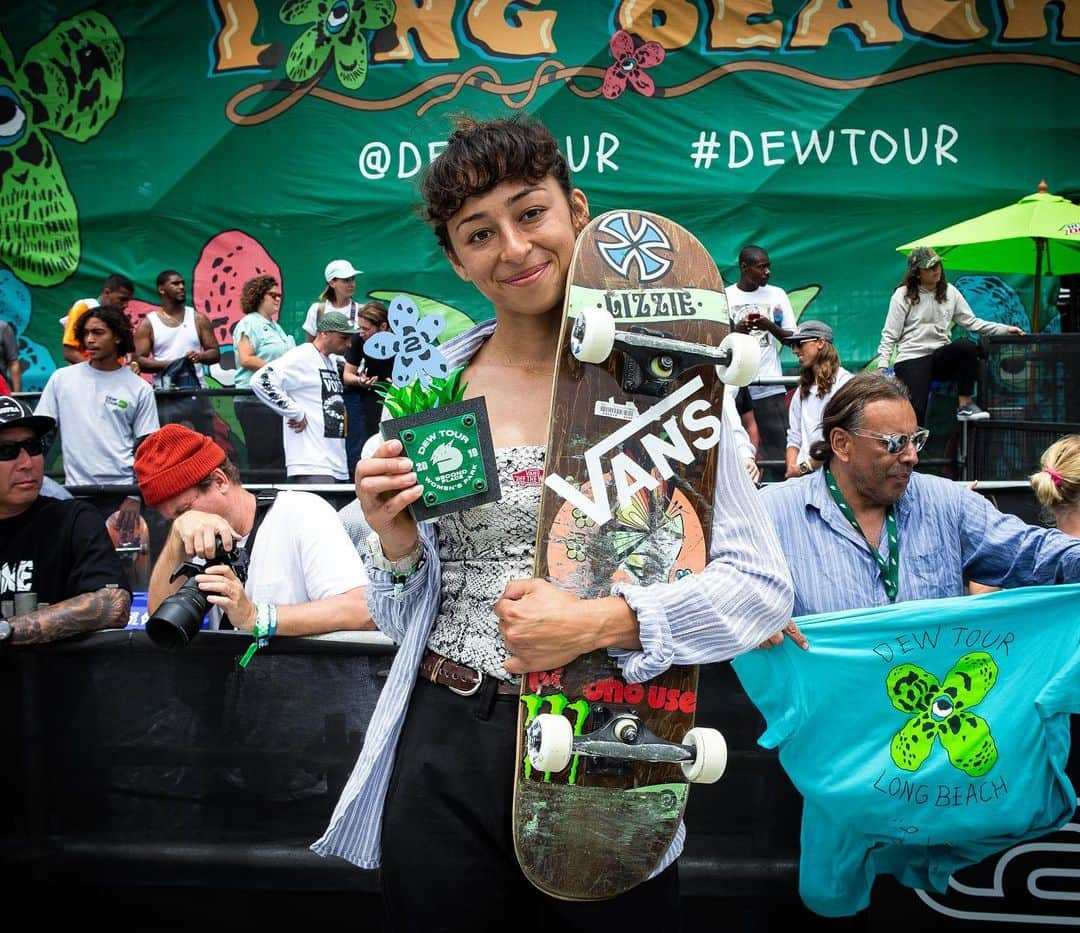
(306, 411)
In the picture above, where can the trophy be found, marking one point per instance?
(447, 437)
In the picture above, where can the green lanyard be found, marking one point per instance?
(890, 569)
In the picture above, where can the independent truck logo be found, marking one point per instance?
(634, 245)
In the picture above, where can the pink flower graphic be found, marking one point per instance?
(630, 65)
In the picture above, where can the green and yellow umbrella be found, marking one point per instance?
(1039, 234)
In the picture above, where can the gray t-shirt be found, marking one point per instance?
(101, 414)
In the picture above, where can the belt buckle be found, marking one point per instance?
(472, 690)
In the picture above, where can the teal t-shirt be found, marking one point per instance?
(923, 736)
(268, 340)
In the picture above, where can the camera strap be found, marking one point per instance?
(264, 498)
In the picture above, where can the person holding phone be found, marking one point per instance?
(764, 310)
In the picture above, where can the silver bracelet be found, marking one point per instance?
(399, 569)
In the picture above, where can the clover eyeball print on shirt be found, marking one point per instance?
(924, 736)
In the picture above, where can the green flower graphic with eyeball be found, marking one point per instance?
(69, 84)
(942, 711)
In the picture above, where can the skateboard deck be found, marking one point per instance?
(630, 472)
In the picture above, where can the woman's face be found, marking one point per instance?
(928, 278)
(515, 241)
(366, 328)
(343, 289)
(270, 306)
(807, 350)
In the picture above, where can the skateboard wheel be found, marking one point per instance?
(593, 335)
(743, 365)
(710, 756)
(551, 739)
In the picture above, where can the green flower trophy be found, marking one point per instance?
(447, 437)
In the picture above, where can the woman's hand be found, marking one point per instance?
(386, 486)
(545, 627)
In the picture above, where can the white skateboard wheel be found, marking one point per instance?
(551, 739)
(710, 756)
(745, 356)
(593, 335)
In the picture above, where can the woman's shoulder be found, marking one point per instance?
(463, 347)
(248, 323)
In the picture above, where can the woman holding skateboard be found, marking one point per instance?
(430, 797)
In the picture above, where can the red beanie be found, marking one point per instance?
(172, 460)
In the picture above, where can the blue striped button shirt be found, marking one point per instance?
(947, 534)
(742, 597)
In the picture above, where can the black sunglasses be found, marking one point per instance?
(9, 450)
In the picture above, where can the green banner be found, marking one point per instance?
(229, 137)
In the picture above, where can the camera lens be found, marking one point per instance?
(178, 619)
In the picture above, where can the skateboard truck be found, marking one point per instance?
(654, 359)
(702, 754)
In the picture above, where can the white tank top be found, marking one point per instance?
(171, 343)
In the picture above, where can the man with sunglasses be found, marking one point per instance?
(867, 530)
(59, 573)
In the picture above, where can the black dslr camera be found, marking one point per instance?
(180, 616)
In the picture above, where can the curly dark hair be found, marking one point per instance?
(114, 319)
(481, 155)
(253, 292)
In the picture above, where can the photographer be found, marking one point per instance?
(304, 577)
(52, 551)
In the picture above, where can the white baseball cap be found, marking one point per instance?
(341, 269)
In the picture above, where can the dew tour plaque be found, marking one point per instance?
(447, 437)
(452, 454)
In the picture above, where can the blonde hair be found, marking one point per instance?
(1057, 484)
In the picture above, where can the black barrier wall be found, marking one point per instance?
(129, 768)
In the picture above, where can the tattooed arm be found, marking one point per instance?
(87, 612)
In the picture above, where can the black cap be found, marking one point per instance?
(13, 415)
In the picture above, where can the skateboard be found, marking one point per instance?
(604, 766)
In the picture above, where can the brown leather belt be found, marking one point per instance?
(463, 680)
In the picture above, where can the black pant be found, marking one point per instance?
(356, 426)
(193, 411)
(262, 435)
(771, 415)
(447, 841)
(955, 362)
